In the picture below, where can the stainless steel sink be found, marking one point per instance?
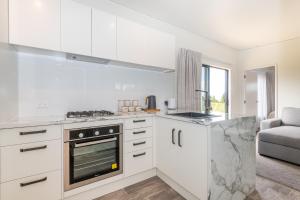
(193, 115)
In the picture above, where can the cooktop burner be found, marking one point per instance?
(89, 114)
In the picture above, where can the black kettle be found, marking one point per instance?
(151, 102)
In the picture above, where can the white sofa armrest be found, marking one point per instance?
(270, 123)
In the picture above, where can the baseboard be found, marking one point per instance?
(113, 186)
(183, 192)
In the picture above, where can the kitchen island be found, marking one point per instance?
(211, 158)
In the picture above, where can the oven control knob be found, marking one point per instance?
(81, 135)
(111, 130)
(97, 133)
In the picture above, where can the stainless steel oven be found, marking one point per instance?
(92, 154)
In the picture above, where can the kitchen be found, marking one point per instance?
(56, 68)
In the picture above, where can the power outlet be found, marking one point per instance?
(42, 106)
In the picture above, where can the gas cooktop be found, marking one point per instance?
(88, 114)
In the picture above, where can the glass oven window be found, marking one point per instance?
(92, 160)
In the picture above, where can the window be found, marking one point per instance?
(215, 82)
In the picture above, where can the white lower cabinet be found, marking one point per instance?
(39, 187)
(29, 134)
(141, 122)
(181, 153)
(31, 163)
(134, 134)
(138, 145)
(29, 159)
(138, 161)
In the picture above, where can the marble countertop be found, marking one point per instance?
(60, 120)
(203, 121)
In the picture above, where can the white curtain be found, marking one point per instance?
(262, 100)
(270, 84)
(189, 67)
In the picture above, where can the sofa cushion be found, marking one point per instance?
(291, 116)
(284, 135)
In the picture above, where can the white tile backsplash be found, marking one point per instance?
(53, 85)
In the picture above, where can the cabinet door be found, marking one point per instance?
(76, 28)
(35, 23)
(192, 158)
(143, 45)
(165, 149)
(185, 162)
(104, 35)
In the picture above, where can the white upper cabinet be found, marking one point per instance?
(143, 45)
(104, 35)
(35, 23)
(72, 27)
(76, 28)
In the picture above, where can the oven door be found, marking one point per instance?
(93, 160)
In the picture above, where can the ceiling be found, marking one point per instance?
(240, 24)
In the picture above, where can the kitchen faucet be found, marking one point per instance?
(207, 106)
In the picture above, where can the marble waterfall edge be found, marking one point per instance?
(232, 170)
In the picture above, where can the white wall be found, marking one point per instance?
(53, 85)
(8, 83)
(286, 56)
(4, 21)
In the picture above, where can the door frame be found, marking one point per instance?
(276, 85)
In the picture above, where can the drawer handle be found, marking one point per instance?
(173, 132)
(139, 121)
(138, 155)
(33, 132)
(33, 148)
(139, 143)
(33, 182)
(139, 132)
(179, 138)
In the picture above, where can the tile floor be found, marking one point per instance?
(155, 189)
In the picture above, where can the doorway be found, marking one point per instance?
(260, 93)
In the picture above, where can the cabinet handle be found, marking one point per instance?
(139, 132)
(139, 121)
(173, 138)
(33, 182)
(179, 138)
(33, 148)
(138, 155)
(33, 132)
(139, 143)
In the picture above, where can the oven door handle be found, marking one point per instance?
(95, 142)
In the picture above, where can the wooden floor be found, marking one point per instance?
(156, 189)
(151, 189)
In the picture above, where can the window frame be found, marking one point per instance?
(207, 84)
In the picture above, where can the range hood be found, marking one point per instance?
(87, 59)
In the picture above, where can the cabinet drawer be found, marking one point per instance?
(41, 187)
(135, 145)
(136, 134)
(138, 123)
(29, 159)
(138, 161)
(29, 134)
